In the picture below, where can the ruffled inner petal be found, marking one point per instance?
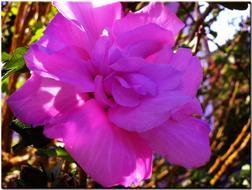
(147, 32)
(127, 97)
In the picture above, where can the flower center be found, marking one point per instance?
(118, 80)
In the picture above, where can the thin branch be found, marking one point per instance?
(200, 21)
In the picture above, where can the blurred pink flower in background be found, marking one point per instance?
(111, 87)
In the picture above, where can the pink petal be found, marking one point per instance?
(127, 97)
(128, 64)
(111, 156)
(100, 94)
(151, 113)
(142, 84)
(193, 76)
(40, 99)
(190, 108)
(184, 142)
(122, 82)
(156, 13)
(173, 6)
(179, 60)
(55, 38)
(143, 48)
(183, 60)
(100, 56)
(129, 23)
(162, 15)
(53, 132)
(186, 63)
(147, 32)
(65, 65)
(163, 56)
(115, 53)
(91, 19)
(165, 76)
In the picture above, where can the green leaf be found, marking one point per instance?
(218, 59)
(61, 152)
(245, 170)
(8, 73)
(46, 152)
(5, 86)
(30, 136)
(213, 33)
(20, 125)
(188, 46)
(14, 10)
(39, 32)
(15, 62)
(5, 57)
(56, 151)
(20, 82)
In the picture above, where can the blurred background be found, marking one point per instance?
(218, 33)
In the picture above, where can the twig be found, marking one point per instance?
(198, 37)
(200, 21)
(8, 8)
(230, 160)
(231, 148)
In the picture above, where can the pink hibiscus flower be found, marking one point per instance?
(110, 86)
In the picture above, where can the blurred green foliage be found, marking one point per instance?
(14, 62)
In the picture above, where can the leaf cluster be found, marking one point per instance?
(14, 62)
